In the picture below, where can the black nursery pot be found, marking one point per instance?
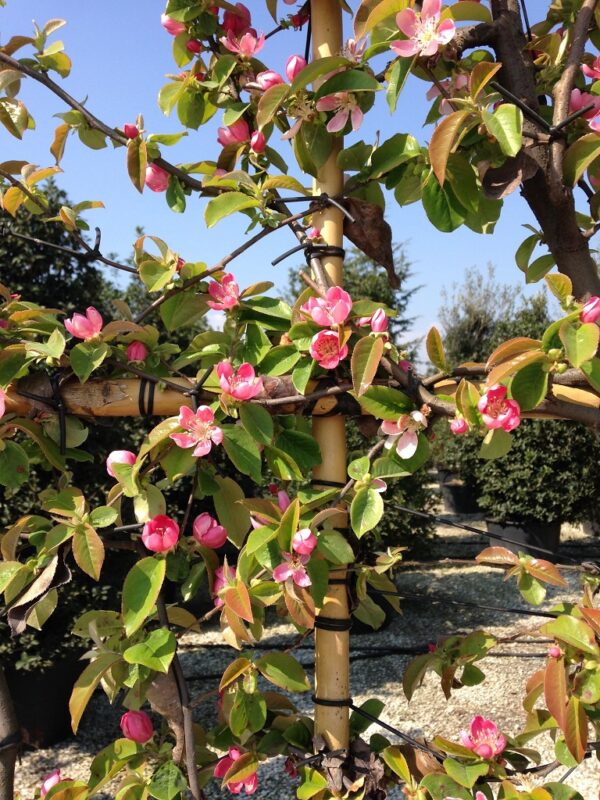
(41, 700)
(529, 536)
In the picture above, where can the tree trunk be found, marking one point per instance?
(9, 741)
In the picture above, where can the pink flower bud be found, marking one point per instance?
(267, 79)
(119, 457)
(304, 542)
(379, 321)
(208, 532)
(294, 65)
(554, 651)
(194, 46)
(3, 323)
(236, 133)
(160, 534)
(136, 351)
(283, 500)
(137, 726)
(2, 402)
(591, 310)
(49, 781)
(157, 179)
(237, 24)
(458, 426)
(258, 142)
(180, 264)
(85, 326)
(130, 130)
(172, 26)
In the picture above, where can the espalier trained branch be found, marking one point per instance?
(512, 106)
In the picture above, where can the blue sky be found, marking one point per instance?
(121, 55)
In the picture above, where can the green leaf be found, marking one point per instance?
(333, 545)
(396, 761)
(109, 761)
(269, 104)
(137, 161)
(86, 683)
(481, 74)
(441, 206)
(465, 774)
(312, 783)
(232, 514)
(258, 422)
(435, 349)
(583, 152)
(530, 386)
(242, 451)
(442, 786)
(316, 69)
(88, 551)
(526, 248)
(280, 360)
(301, 373)
(591, 370)
(539, 268)
(574, 632)
(444, 139)
(155, 652)
(560, 285)
(506, 125)
(396, 78)
(302, 447)
(103, 516)
(167, 782)
(175, 196)
(225, 204)
(353, 80)
(182, 310)
(366, 510)
(385, 403)
(88, 356)
(284, 671)
(496, 444)
(358, 723)
(191, 108)
(580, 341)
(366, 356)
(140, 591)
(358, 468)
(14, 465)
(393, 152)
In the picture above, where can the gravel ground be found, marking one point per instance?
(373, 675)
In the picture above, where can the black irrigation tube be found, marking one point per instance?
(468, 604)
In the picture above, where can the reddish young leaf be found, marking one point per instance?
(498, 556)
(237, 599)
(555, 690)
(576, 729)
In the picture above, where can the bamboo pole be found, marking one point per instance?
(332, 648)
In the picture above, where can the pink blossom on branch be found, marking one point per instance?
(268, 79)
(459, 426)
(498, 411)
(425, 32)
(157, 179)
(345, 106)
(580, 100)
(592, 72)
(378, 321)
(326, 350)
(172, 26)
(304, 542)
(136, 351)
(591, 310)
(130, 130)
(249, 784)
(294, 65)
(404, 433)
(160, 534)
(119, 457)
(236, 133)
(225, 293)
(483, 738)
(237, 24)
(241, 384)
(201, 434)
(208, 532)
(258, 142)
(333, 309)
(247, 46)
(85, 326)
(137, 726)
(293, 567)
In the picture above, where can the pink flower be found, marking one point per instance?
(250, 783)
(194, 46)
(453, 86)
(497, 411)
(483, 738)
(241, 384)
(172, 26)
(49, 781)
(136, 351)
(283, 500)
(223, 577)
(85, 327)
(247, 46)
(119, 457)
(554, 651)
(404, 434)
(304, 542)
(581, 99)
(2, 402)
(333, 309)
(293, 66)
(458, 426)
(160, 534)
(201, 434)
(234, 134)
(137, 726)
(345, 106)
(237, 24)
(325, 349)
(267, 79)
(354, 49)
(424, 30)
(591, 310)
(226, 293)
(378, 321)
(293, 567)
(258, 142)
(313, 233)
(157, 179)
(593, 71)
(208, 532)
(130, 130)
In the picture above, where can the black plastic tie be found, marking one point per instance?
(344, 702)
(333, 624)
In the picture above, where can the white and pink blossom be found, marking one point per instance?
(247, 46)
(498, 411)
(85, 326)
(119, 457)
(403, 435)
(345, 106)
(424, 31)
(224, 576)
(333, 309)
(160, 534)
(304, 542)
(201, 434)
(293, 567)
(294, 65)
(236, 133)
(592, 72)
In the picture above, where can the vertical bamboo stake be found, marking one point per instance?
(332, 680)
